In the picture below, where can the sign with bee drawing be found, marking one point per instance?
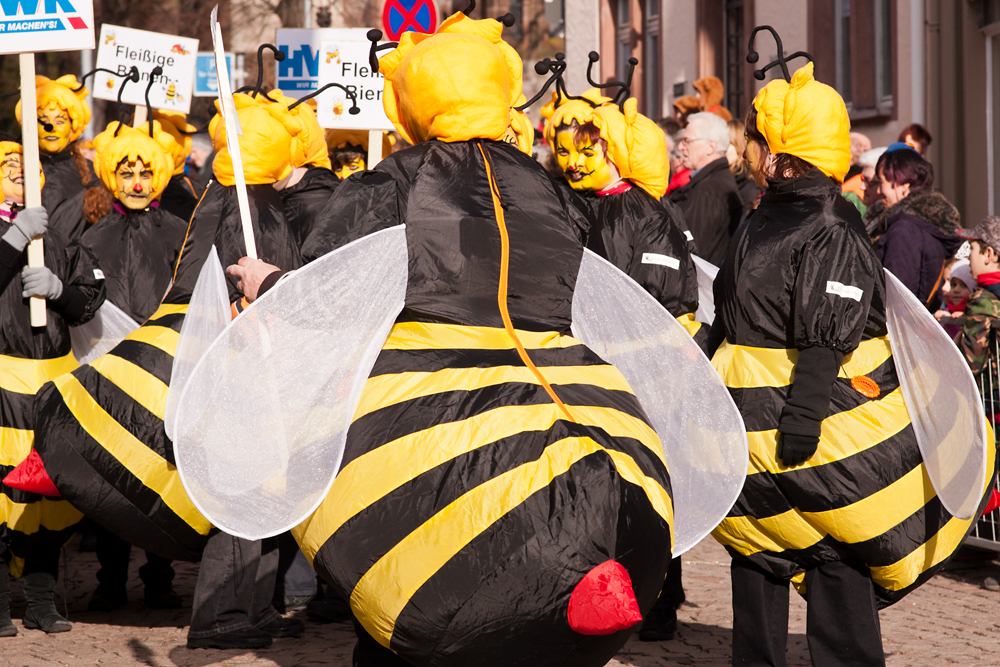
(118, 49)
(346, 62)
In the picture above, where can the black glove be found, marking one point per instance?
(796, 449)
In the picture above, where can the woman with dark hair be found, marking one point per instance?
(919, 224)
(801, 318)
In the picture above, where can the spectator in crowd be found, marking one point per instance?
(959, 283)
(710, 95)
(670, 126)
(860, 144)
(871, 191)
(916, 137)
(684, 107)
(983, 305)
(679, 174)
(920, 224)
(199, 162)
(853, 187)
(750, 192)
(711, 201)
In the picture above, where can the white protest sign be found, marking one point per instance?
(46, 25)
(120, 48)
(298, 73)
(346, 62)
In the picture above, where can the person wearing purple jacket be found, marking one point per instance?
(920, 224)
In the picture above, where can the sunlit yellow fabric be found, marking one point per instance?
(309, 145)
(455, 85)
(636, 145)
(521, 133)
(26, 376)
(9, 148)
(266, 144)
(807, 119)
(60, 94)
(130, 144)
(173, 136)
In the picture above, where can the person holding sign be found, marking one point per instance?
(63, 115)
(179, 196)
(74, 287)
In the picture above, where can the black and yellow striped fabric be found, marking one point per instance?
(469, 503)
(865, 492)
(28, 518)
(102, 440)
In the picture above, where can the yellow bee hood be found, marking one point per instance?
(636, 145)
(131, 144)
(521, 132)
(266, 144)
(171, 136)
(11, 147)
(309, 145)
(807, 119)
(455, 85)
(61, 94)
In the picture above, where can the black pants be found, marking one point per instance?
(235, 586)
(114, 553)
(672, 594)
(842, 625)
(369, 653)
(295, 576)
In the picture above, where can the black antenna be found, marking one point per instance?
(753, 56)
(507, 19)
(354, 110)
(627, 89)
(471, 8)
(157, 71)
(133, 75)
(92, 72)
(278, 55)
(623, 86)
(556, 67)
(373, 36)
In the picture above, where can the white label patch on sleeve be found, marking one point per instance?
(846, 291)
(662, 260)
(688, 235)
(99, 274)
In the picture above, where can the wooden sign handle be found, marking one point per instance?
(140, 115)
(32, 181)
(374, 148)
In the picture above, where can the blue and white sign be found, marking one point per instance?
(28, 26)
(298, 73)
(206, 83)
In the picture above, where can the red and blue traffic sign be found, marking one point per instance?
(399, 16)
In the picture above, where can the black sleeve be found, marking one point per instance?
(11, 262)
(83, 285)
(270, 281)
(809, 399)
(834, 284)
(662, 265)
(361, 205)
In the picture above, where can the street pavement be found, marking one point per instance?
(951, 620)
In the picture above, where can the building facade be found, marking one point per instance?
(895, 62)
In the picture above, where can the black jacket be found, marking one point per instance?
(82, 295)
(63, 192)
(137, 251)
(304, 200)
(179, 197)
(712, 207)
(643, 238)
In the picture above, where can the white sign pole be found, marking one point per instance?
(140, 115)
(32, 181)
(233, 133)
(374, 148)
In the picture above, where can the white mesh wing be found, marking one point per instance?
(207, 316)
(706, 296)
(941, 399)
(263, 419)
(702, 432)
(96, 338)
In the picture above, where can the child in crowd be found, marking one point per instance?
(983, 304)
(960, 285)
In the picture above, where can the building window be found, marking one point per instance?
(623, 43)
(516, 31)
(883, 56)
(842, 28)
(735, 58)
(651, 92)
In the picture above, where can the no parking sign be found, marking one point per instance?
(399, 16)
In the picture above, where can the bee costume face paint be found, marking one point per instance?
(502, 494)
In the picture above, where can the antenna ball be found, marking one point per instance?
(759, 74)
(157, 71)
(507, 19)
(542, 67)
(279, 55)
(594, 56)
(354, 111)
(374, 35)
(633, 61)
(753, 57)
(560, 56)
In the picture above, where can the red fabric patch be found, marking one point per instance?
(603, 602)
(30, 475)
(988, 279)
(77, 23)
(993, 503)
(617, 188)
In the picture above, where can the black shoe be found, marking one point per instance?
(659, 625)
(331, 609)
(163, 599)
(248, 638)
(284, 627)
(106, 598)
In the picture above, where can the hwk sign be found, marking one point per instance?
(46, 25)
(399, 16)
